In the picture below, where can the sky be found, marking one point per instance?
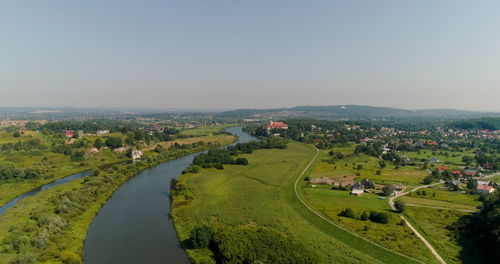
(250, 54)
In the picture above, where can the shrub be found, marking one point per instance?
(377, 217)
(347, 213)
(201, 236)
(400, 206)
(241, 161)
(364, 216)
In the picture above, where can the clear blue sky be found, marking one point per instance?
(240, 54)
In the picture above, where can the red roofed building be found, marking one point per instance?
(432, 143)
(318, 140)
(441, 168)
(69, 133)
(272, 125)
(483, 188)
(456, 172)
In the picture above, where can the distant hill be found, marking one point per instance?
(355, 112)
(492, 123)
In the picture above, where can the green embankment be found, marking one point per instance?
(262, 194)
(26, 236)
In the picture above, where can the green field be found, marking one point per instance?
(432, 224)
(205, 130)
(443, 198)
(69, 240)
(331, 202)
(261, 194)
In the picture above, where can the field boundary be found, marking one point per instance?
(312, 210)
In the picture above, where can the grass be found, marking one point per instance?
(7, 137)
(256, 194)
(61, 165)
(392, 235)
(443, 198)
(205, 130)
(261, 193)
(453, 157)
(408, 175)
(73, 237)
(495, 178)
(432, 224)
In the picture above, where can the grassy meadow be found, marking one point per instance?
(262, 194)
(331, 202)
(438, 197)
(432, 224)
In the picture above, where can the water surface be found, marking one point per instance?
(133, 226)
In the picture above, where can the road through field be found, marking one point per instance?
(334, 224)
(427, 244)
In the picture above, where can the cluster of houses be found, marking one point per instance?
(359, 188)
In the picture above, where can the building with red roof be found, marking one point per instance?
(272, 125)
(484, 189)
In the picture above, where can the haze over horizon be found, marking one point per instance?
(258, 54)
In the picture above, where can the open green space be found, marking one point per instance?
(393, 235)
(432, 223)
(50, 227)
(443, 198)
(261, 194)
(362, 166)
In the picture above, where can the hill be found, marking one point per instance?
(354, 112)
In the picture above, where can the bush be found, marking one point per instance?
(377, 217)
(400, 206)
(347, 213)
(364, 216)
(68, 257)
(201, 236)
(241, 161)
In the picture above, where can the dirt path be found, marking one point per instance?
(427, 244)
(330, 221)
(443, 208)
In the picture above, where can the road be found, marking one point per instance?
(427, 244)
(330, 221)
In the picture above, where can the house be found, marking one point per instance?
(484, 189)
(488, 165)
(102, 132)
(483, 182)
(69, 133)
(434, 160)
(367, 184)
(357, 192)
(399, 187)
(272, 125)
(442, 168)
(456, 172)
(357, 189)
(136, 154)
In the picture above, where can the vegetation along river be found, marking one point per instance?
(133, 226)
(43, 188)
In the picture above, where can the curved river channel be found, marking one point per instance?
(133, 226)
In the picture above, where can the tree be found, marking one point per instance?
(114, 142)
(78, 156)
(347, 213)
(201, 236)
(467, 160)
(388, 190)
(377, 217)
(98, 143)
(16, 134)
(364, 216)
(471, 184)
(400, 206)
(241, 161)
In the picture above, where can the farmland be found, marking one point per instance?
(260, 194)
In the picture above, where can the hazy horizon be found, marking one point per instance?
(258, 54)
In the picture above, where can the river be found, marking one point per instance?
(43, 188)
(133, 226)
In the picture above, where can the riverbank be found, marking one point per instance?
(57, 220)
